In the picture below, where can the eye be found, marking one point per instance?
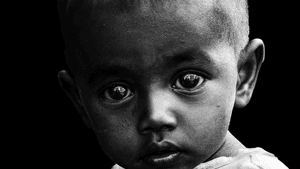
(117, 93)
(188, 82)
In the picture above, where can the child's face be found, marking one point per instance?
(158, 91)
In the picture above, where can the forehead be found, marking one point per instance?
(143, 38)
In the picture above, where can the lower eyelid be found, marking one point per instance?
(194, 92)
(118, 103)
(188, 72)
(103, 99)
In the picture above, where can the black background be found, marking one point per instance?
(51, 132)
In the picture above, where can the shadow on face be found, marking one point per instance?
(156, 78)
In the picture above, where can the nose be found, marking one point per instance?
(159, 113)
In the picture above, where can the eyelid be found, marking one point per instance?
(101, 93)
(202, 73)
(205, 77)
(112, 82)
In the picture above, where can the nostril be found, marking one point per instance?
(157, 129)
(166, 128)
(157, 122)
(158, 114)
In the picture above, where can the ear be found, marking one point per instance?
(248, 68)
(68, 84)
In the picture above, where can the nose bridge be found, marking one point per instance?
(159, 113)
(159, 103)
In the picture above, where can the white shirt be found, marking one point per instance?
(247, 158)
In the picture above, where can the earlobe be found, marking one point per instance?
(248, 69)
(68, 84)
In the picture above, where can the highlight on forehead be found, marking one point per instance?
(226, 19)
(226, 14)
(128, 5)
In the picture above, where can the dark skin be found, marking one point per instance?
(150, 79)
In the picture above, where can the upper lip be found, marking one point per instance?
(159, 148)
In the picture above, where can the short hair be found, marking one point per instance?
(228, 19)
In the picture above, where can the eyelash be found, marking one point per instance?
(195, 74)
(105, 94)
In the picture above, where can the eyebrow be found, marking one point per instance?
(106, 71)
(172, 60)
(199, 57)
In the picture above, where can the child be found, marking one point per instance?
(157, 80)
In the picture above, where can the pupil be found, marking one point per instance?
(189, 80)
(118, 93)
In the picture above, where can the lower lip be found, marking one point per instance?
(162, 159)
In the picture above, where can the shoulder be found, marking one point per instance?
(116, 166)
(255, 158)
(247, 158)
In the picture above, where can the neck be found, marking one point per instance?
(229, 148)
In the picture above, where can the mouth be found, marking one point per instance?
(162, 155)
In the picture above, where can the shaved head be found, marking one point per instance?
(225, 19)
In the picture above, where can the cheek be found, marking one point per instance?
(120, 145)
(220, 104)
(116, 133)
(208, 120)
